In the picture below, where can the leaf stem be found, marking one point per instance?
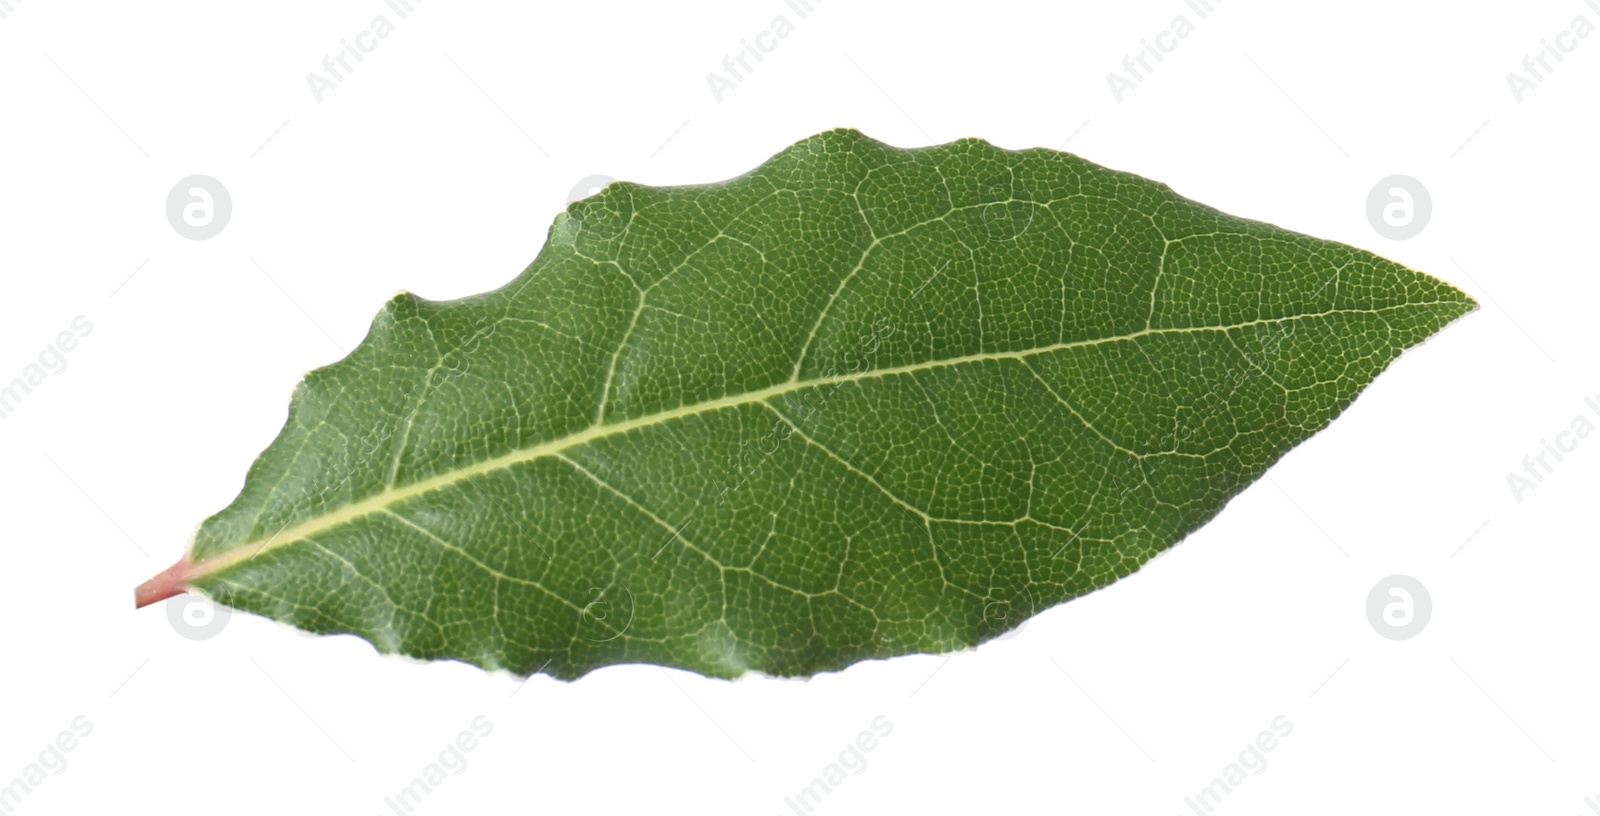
(174, 580)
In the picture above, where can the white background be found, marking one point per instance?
(436, 167)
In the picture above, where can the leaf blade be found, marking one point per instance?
(859, 402)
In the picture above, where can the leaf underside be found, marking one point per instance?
(859, 402)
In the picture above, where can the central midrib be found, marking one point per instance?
(389, 498)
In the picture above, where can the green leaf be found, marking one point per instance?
(859, 402)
